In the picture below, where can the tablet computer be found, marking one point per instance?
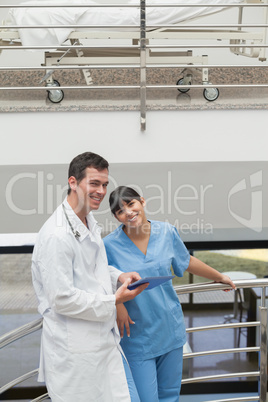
(152, 280)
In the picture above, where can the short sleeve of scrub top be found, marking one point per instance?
(159, 323)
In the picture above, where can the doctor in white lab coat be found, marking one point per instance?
(80, 359)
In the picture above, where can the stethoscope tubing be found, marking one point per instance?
(75, 232)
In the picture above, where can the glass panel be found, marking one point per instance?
(253, 261)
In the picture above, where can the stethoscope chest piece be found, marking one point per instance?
(76, 234)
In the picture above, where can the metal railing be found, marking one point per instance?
(262, 349)
(261, 373)
(146, 32)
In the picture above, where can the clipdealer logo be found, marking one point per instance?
(254, 196)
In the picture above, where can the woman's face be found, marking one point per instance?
(132, 213)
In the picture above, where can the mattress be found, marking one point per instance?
(100, 16)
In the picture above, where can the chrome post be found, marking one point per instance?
(262, 56)
(143, 64)
(263, 352)
(240, 17)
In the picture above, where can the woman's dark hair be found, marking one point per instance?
(78, 165)
(122, 194)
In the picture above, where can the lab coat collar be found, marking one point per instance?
(93, 230)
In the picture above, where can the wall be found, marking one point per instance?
(194, 137)
(205, 171)
(218, 135)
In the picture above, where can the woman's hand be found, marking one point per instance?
(199, 268)
(226, 280)
(123, 320)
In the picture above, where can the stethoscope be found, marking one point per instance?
(75, 232)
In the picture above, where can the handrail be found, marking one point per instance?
(223, 326)
(41, 398)
(192, 288)
(244, 399)
(131, 5)
(212, 286)
(262, 373)
(76, 26)
(220, 376)
(18, 380)
(221, 351)
(20, 332)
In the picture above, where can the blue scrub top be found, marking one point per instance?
(159, 324)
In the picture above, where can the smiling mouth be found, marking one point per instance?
(133, 218)
(98, 199)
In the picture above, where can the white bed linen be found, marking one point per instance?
(114, 16)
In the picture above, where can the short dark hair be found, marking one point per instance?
(122, 194)
(78, 165)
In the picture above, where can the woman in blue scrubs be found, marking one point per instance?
(154, 346)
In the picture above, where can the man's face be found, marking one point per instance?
(92, 188)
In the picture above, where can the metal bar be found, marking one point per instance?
(143, 65)
(18, 380)
(64, 47)
(178, 27)
(108, 66)
(243, 399)
(263, 355)
(224, 326)
(190, 281)
(206, 46)
(220, 376)
(221, 351)
(206, 286)
(20, 332)
(41, 398)
(21, 47)
(134, 5)
(262, 55)
(197, 288)
(78, 6)
(50, 88)
(209, 86)
(263, 296)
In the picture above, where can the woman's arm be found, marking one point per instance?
(199, 268)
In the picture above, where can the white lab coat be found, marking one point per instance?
(80, 359)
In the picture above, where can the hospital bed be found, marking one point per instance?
(98, 20)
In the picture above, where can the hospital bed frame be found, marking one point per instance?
(143, 54)
(155, 56)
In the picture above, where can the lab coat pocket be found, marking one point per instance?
(83, 336)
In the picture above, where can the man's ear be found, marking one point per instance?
(72, 183)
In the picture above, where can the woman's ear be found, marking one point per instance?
(116, 218)
(143, 202)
